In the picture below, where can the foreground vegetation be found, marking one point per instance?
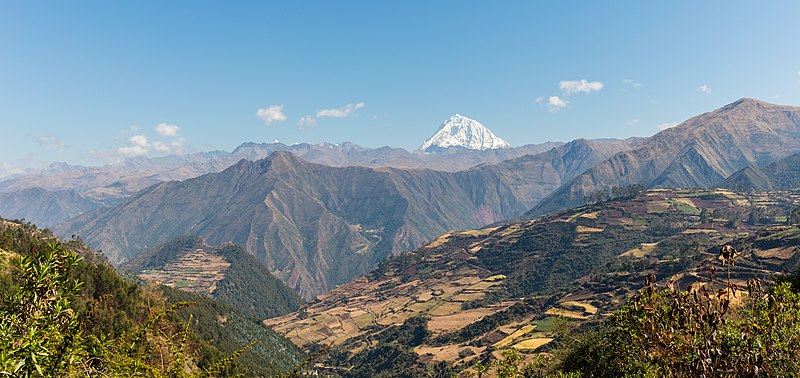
(65, 312)
(694, 333)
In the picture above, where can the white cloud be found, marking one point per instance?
(632, 122)
(553, 103)
(174, 147)
(704, 89)
(307, 121)
(167, 129)
(140, 145)
(132, 151)
(667, 125)
(139, 141)
(274, 113)
(579, 86)
(343, 112)
(631, 83)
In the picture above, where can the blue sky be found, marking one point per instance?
(90, 82)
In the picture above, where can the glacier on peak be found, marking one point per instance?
(460, 132)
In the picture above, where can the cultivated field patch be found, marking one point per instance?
(198, 271)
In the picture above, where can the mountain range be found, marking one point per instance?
(46, 208)
(110, 184)
(317, 226)
(701, 152)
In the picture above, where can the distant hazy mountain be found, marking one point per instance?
(783, 174)
(459, 132)
(111, 184)
(122, 180)
(317, 226)
(348, 154)
(45, 208)
(700, 152)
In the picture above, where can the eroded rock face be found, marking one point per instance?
(700, 152)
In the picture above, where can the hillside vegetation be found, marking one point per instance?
(66, 312)
(489, 292)
(226, 273)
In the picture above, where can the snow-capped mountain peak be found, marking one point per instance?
(462, 132)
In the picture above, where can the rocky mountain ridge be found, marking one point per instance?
(783, 174)
(700, 152)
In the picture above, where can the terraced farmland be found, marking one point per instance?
(483, 291)
(198, 271)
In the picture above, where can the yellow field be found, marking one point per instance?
(591, 215)
(641, 251)
(700, 231)
(479, 232)
(588, 229)
(510, 230)
(6, 258)
(565, 314)
(457, 320)
(439, 241)
(517, 334)
(586, 306)
(495, 278)
(574, 216)
(447, 352)
(532, 344)
(466, 297)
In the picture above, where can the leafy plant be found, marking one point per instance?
(64, 314)
(39, 329)
(695, 333)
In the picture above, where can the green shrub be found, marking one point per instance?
(695, 333)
